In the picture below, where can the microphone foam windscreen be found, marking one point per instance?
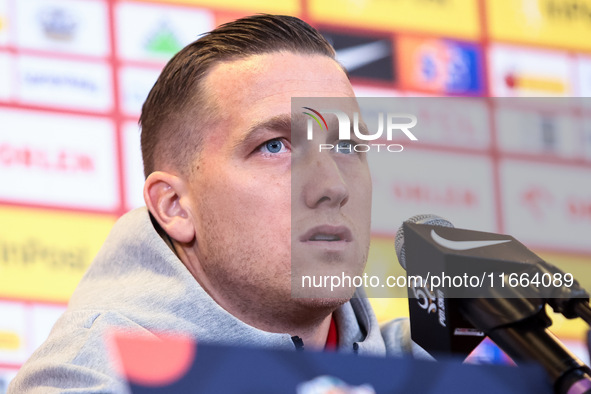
(429, 219)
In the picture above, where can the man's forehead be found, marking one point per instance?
(246, 91)
(278, 72)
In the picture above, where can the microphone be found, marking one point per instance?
(491, 297)
(450, 332)
(429, 219)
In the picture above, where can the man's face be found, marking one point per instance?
(241, 187)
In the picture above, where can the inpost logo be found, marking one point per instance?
(394, 123)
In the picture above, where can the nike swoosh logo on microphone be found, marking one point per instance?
(464, 245)
(358, 56)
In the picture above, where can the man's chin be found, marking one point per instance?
(322, 298)
(324, 292)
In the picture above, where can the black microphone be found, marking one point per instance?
(496, 285)
(436, 322)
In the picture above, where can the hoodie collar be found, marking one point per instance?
(137, 274)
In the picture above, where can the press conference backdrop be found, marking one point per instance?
(74, 73)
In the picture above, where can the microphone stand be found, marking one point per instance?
(519, 326)
(571, 301)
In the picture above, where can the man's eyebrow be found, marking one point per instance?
(279, 122)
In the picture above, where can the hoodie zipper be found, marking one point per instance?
(298, 342)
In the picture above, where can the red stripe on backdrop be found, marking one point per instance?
(119, 119)
(10, 366)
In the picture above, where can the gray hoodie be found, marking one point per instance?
(136, 282)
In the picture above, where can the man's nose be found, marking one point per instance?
(325, 184)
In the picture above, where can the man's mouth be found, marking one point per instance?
(327, 233)
(325, 237)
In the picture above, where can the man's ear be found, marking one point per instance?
(165, 195)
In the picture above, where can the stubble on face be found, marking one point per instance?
(232, 263)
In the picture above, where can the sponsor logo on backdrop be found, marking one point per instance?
(30, 157)
(539, 198)
(538, 132)
(528, 81)
(441, 66)
(36, 251)
(156, 32)
(52, 80)
(163, 40)
(560, 23)
(24, 327)
(13, 330)
(536, 11)
(455, 185)
(64, 83)
(58, 23)
(44, 254)
(520, 71)
(570, 11)
(579, 208)
(73, 166)
(364, 56)
(445, 195)
(80, 27)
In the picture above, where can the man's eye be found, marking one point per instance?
(345, 146)
(273, 146)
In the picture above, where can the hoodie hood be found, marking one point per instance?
(137, 275)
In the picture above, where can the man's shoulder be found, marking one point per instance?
(77, 349)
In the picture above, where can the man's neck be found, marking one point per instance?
(315, 338)
(311, 325)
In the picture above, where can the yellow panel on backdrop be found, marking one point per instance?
(580, 268)
(559, 23)
(43, 254)
(382, 262)
(457, 18)
(285, 7)
(387, 309)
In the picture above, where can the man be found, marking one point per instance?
(212, 257)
